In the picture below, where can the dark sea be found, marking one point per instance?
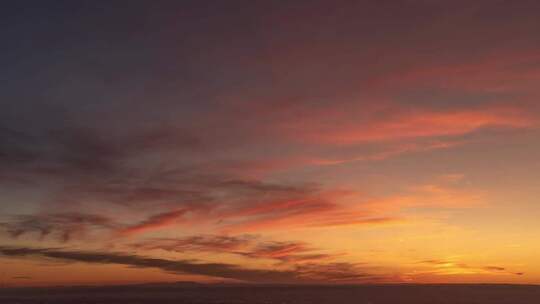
(364, 294)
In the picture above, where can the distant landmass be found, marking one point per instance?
(197, 293)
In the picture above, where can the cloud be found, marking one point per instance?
(101, 147)
(250, 246)
(154, 222)
(335, 272)
(76, 152)
(165, 173)
(317, 209)
(389, 152)
(499, 71)
(64, 226)
(93, 169)
(441, 194)
(232, 205)
(306, 274)
(410, 124)
(199, 243)
(244, 206)
(286, 252)
(238, 202)
(95, 163)
(450, 267)
(348, 220)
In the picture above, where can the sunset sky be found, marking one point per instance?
(269, 141)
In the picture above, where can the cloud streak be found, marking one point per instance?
(249, 246)
(411, 125)
(311, 274)
(199, 243)
(64, 226)
(448, 267)
(154, 222)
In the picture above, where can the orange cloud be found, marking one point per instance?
(451, 267)
(427, 195)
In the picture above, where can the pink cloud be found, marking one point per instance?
(410, 125)
(154, 222)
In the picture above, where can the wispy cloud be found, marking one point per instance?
(412, 124)
(305, 274)
(443, 194)
(452, 267)
(199, 243)
(389, 152)
(250, 246)
(63, 226)
(154, 222)
(287, 252)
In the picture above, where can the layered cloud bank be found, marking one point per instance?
(273, 142)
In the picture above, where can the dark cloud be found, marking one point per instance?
(63, 226)
(502, 269)
(170, 199)
(165, 197)
(80, 153)
(139, 167)
(305, 274)
(434, 262)
(133, 169)
(335, 272)
(250, 246)
(185, 196)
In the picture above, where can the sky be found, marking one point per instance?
(269, 142)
